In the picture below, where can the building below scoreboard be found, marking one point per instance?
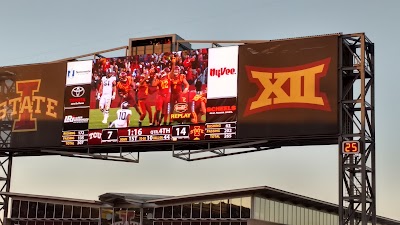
(249, 206)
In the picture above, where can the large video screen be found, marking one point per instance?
(175, 96)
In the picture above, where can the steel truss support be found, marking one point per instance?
(122, 156)
(7, 89)
(208, 153)
(357, 199)
(5, 183)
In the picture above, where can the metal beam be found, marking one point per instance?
(224, 153)
(123, 157)
(250, 41)
(222, 41)
(229, 150)
(225, 147)
(214, 42)
(90, 54)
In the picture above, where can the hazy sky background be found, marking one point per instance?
(45, 30)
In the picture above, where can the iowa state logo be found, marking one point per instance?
(289, 87)
(29, 104)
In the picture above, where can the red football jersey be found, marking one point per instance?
(176, 83)
(106, 66)
(152, 89)
(126, 86)
(197, 100)
(164, 85)
(143, 91)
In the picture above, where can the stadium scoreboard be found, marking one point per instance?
(235, 93)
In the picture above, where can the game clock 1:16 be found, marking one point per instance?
(143, 134)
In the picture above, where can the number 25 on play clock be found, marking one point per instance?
(351, 147)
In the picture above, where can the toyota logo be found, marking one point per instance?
(77, 92)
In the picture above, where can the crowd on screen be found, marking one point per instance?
(193, 65)
(161, 80)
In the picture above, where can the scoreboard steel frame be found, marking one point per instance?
(357, 181)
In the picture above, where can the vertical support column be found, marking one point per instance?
(371, 59)
(5, 181)
(141, 216)
(341, 130)
(357, 200)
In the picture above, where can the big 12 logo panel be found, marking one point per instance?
(289, 88)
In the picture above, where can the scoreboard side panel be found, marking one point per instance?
(35, 108)
(289, 89)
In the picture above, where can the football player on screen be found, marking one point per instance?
(125, 87)
(199, 102)
(106, 93)
(178, 80)
(123, 116)
(153, 93)
(163, 83)
(142, 94)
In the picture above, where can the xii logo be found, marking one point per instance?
(290, 87)
(27, 105)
